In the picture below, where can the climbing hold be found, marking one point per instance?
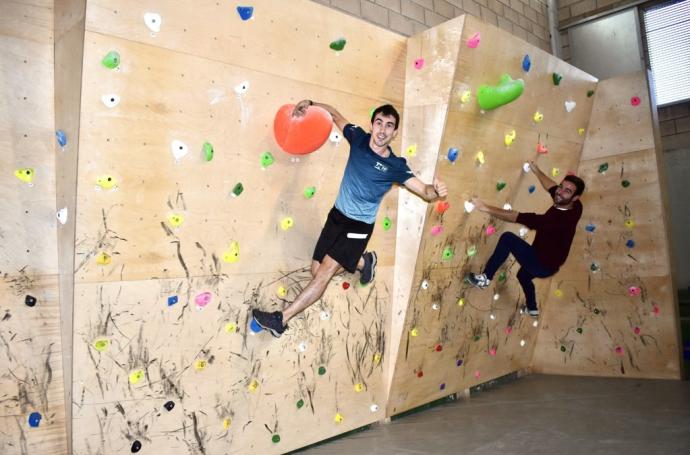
(637, 330)
(322, 371)
(619, 350)
(465, 96)
(501, 277)
(207, 150)
(245, 12)
(169, 405)
(594, 268)
(507, 206)
(634, 291)
(374, 408)
(629, 223)
(531, 189)
(203, 299)
(526, 63)
(414, 332)
(338, 45)
(563, 349)
(302, 347)
(535, 324)
(603, 168)
(304, 134)
(103, 258)
(226, 422)
(136, 376)
(300, 403)
(419, 63)
(172, 300)
(522, 343)
(61, 138)
(153, 22)
(232, 254)
(435, 306)
(492, 351)
(62, 215)
(509, 137)
(175, 220)
(558, 293)
(200, 364)
(570, 105)
(447, 254)
(630, 243)
(506, 91)
(325, 315)
(26, 175)
(359, 387)
(286, 223)
(281, 291)
(442, 207)
(635, 100)
(479, 158)
(452, 154)
(625, 183)
(596, 311)
(338, 418)
(492, 317)
(590, 93)
(30, 300)
(477, 374)
(111, 60)
(461, 302)
(497, 296)
(523, 232)
(500, 185)
(438, 348)
(469, 207)
(458, 363)
(136, 446)
(253, 385)
(538, 117)
(346, 285)
(474, 40)
(555, 171)
(179, 149)
(490, 230)
(101, 344)
(275, 438)
(420, 374)
(590, 227)
(254, 326)
(309, 192)
(242, 88)
(230, 327)
(411, 150)
(581, 131)
(237, 189)
(556, 79)
(656, 310)
(377, 358)
(106, 182)
(335, 137)
(471, 251)
(425, 284)
(110, 100)
(436, 230)
(387, 223)
(542, 149)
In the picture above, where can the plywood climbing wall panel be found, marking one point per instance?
(32, 410)
(162, 302)
(454, 336)
(611, 309)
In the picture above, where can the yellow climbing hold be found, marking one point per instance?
(509, 138)
(136, 376)
(26, 174)
(231, 327)
(581, 131)
(175, 219)
(232, 254)
(461, 302)
(200, 364)
(101, 344)
(479, 157)
(629, 223)
(253, 385)
(377, 358)
(411, 150)
(414, 332)
(226, 422)
(359, 387)
(103, 258)
(558, 293)
(538, 117)
(106, 182)
(286, 223)
(281, 292)
(338, 417)
(465, 96)
(555, 171)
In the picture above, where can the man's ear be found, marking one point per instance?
(575, 198)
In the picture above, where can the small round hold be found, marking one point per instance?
(374, 408)
(522, 343)
(435, 306)
(302, 347)
(169, 405)
(497, 296)
(136, 446)
(325, 315)
(535, 323)
(425, 284)
(30, 300)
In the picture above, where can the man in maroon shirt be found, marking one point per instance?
(555, 232)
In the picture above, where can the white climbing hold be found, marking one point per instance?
(435, 306)
(497, 296)
(469, 206)
(526, 167)
(110, 100)
(374, 408)
(302, 346)
(153, 21)
(325, 315)
(507, 206)
(523, 232)
(522, 343)
(535, 323)
(335, 137)
(179, 149)
(425, 284)
(242, 87)
(62, 215)
(570, 105)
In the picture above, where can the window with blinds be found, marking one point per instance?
(667, 29)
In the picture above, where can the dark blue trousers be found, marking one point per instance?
(530, 267)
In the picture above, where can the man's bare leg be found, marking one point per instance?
(314, 289)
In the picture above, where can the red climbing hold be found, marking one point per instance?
(346, 285)
(635, 100)
(439, 348)
(442, 206)
(420, 373)
(301, 135)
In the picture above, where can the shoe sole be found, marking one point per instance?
(471, 283)
(268, 329)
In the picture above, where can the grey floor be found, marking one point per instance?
(540, 415)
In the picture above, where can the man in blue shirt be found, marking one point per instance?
(371, 171)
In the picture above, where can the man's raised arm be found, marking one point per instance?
(338, 119)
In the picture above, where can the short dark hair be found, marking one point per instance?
(578, 182)
(387, 111)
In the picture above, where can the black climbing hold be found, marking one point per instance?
(136, 446)
(30, 300)
(169, 405)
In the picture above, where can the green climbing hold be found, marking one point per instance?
(275, 438)
(562, 348)
(500, 185)
(300, 403)
(590, 93)
(557, 79)
(322, 371)
(387, 223)
(579, 330)
(237, 190)
(208, 151)
(371, 113)
(111, 60)
(267, 159)
(603, 168)
(476, 338)
(625, 183)
(502, 277)
(339, 44)
(594, 267)
(472, 251)
(596, 311)
(447, 253)
(309, 192)
(507, 90)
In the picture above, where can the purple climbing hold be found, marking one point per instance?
(245, 12)
(35, 419)
(442, 386)
(458, 363)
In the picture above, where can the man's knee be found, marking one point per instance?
(327, 268)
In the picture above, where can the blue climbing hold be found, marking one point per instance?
(256, 328)
(630, 243)
(590, 227)
(531, 189)
(526, 63)
(452, 154)
(34, 419)
(245, 12)
(61, 138)
(172, 300)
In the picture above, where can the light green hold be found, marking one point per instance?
(387, 223)
(507, 90)
(208, 151)
(111, 60)
(448, 253)
(267, 159)
(472, 251)
(309, 192)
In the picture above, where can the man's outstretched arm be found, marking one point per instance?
(338, 119)
(505, 215)
(428, 192)
(543, 179)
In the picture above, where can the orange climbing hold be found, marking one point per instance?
(301, 135)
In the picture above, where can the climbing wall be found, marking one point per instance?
(453, 336)
(32, 411)
(611, 309)
(188, 215)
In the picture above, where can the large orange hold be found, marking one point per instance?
(301, 135)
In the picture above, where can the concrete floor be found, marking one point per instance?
(540, 415)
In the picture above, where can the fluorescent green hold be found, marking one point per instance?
(448, 253)
(300, 403)
(208, 151)
(500, 185)
(267, 159)
(625, 183)
(603, 168)
(322, 371)
(237, 190)
(309, 192)
(387, 223)
(371, 113)
(502, 276)
(506, 91)
(471, 251)
(275, 438)
(111, 60)
(557, 79)
(339, 44)
(101, 344)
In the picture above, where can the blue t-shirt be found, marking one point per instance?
(367, 177)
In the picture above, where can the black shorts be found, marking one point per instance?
(343, 239)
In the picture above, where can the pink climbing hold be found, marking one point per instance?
(656, 310)
(635, 100)
(419, 63)
(490, 230)
(202, 299)
(634, 291)
(619, 350)
(473, 42)
(637, 330)
(509, 330)
(477, 374)
(492, 351)
(436, 230)
(542, 149)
